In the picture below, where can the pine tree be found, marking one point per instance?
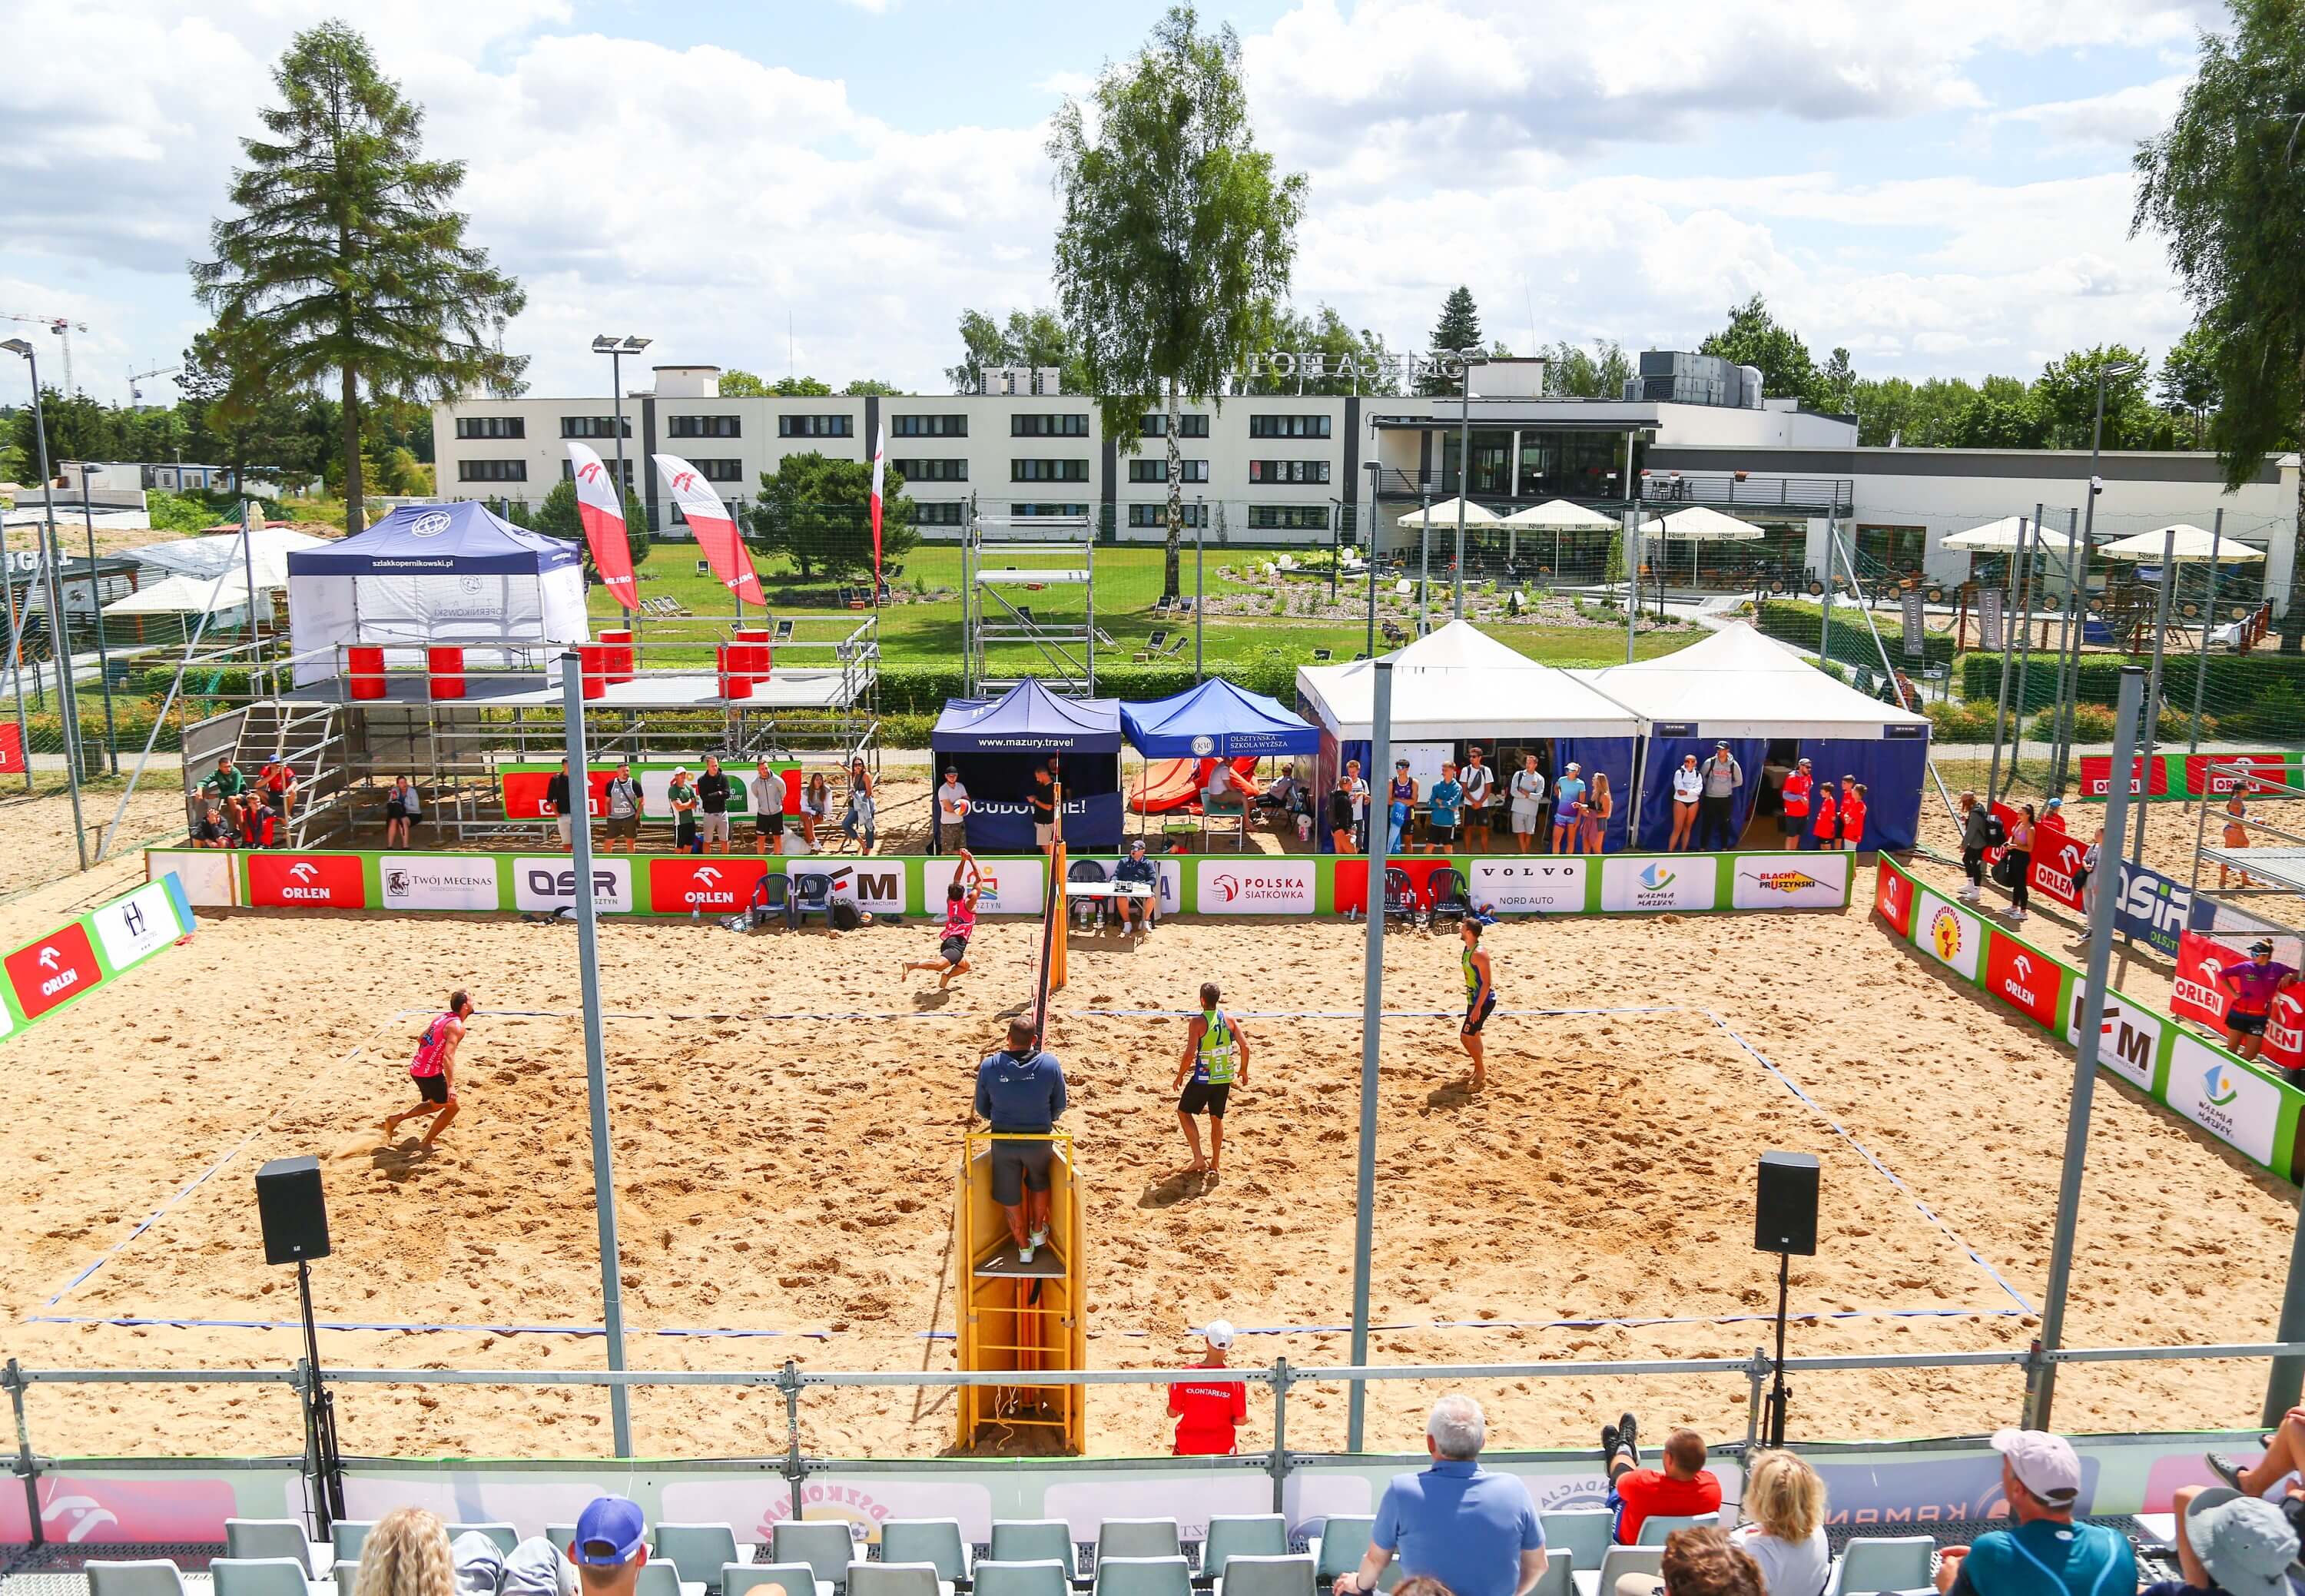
(1459, 328)
(346, 257)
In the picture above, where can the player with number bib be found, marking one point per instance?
(1216, 1057)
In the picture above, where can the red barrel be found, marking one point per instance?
(754, 643)
(446, 667)
(619, 645)
(364, 669)
(734, 682)
(595, 666)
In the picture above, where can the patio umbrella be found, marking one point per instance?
(1558, 515)
(2190, 546)
(1698, 524)
(1444, 515)
(2000, 537)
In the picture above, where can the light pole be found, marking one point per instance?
(1466, 358)
(616, 349)
(16, 652)
(96, 607)
(67, 710)
(1368, 555)
(2063, 719)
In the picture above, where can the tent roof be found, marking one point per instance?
(1738, 683)
(186, 596)
(2190, 546)
(2001, 537)
(268, 549)
(1216, 719)
(1444, 514)
(1460, 682)
(465, 538)
(1027, 719)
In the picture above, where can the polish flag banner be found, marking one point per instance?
(601, 509)
(714, 529)
(879, 470)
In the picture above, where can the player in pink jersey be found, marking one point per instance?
(434, 1069)
(959, 923)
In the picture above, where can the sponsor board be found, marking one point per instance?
(306, 881)
(2258, 772)
(438, 881)
(205, 873)
(2231, 1102)
(523, 792)
(2096, 776)
(2152, 908)
(2023, 980)
(1790, 880)
(1892, 900)
(756, 1506)
(1531, 886)
(1010, 886)
(108, 1510)
(1667, 881)
(12, 749)
(2057, 856)
(2195, 993)
(2284, 1030)
(54, 970)
(1950, 934)
(1270, 887)
(547, 882)
(136, 926)
(880, 882)
(1351, 880)
(718, 885)
(2129, 1038)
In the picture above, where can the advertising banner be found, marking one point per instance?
(2196, 995)
(1988, 620)
(1009, 886)
(465, 881)
(75, 958)
(135, 927)
(880, 882)
(2023, 978)
(1952, 935)
(2230, 1101)
(12, 749)
(688, 885)
(1351, 880)
(2057, 856)
(543, 882)
(53, 970)
(205, 873)
(2152, 908)
(306, 881)
(525, 785)
(1271, 887)
(2096, 776)
(2129, 1037)
(1892, 900)
(1532, 884)
(1795, 880)
(1642, 885)
(2259, 772)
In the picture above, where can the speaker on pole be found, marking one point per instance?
(1785, 1222)
(292, 1211)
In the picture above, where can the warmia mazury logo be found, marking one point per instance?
(2219, 1090)
(1945, 933)
(1657, 877)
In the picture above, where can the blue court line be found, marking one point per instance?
(136, 1321)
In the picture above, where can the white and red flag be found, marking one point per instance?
(714, 529)
(880, 470)
(601, 508)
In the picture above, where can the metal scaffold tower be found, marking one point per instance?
(1005, 561)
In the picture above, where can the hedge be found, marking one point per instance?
(1852, 642)
(2235, 681)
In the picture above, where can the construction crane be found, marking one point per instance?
(136, 394)
(63, 327)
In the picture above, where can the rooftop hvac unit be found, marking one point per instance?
(1008, 382)
(1048, 381)
(1635, 389)
(1752, 383)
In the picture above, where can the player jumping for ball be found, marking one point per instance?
(434, 1071)
(1480, 999)
(959, 923)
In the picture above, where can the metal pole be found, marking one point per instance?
(1424, 555)
(1372, 1023)
(2283, 1382)
(2042, 1395)
(1633, 541)
(2209, 619)
(248, 573)
(596, 1046)
(1200, 593)
(2080, 580)
(617, 383)
(2153, 687)
(1464, 478)
(2008, 647)
(1279, 1434)
(2025, 651)
(16, 654)
(95, 608)
(1368, 556)
(1824, 631)
(2069, 632)
(51, 553)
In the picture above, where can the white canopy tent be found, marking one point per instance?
(186, 596)
(2190, 545)
(1459, 682)
(1739, 684)
(268, 551)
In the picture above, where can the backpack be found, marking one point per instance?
(843, 915)
(1997, 832)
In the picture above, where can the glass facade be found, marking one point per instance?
(1532, 466)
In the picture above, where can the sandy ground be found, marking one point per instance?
(797, 1176)
(36, 829)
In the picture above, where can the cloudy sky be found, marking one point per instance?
(1943, 187)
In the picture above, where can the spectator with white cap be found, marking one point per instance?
(611, 1546)
(1209, 1411)
(2230, 1543)
(2047, 1553)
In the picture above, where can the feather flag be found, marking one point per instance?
(879, 469)
(714, 529)
(601, 509)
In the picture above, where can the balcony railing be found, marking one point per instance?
(1795, 495)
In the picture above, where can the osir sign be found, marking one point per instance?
(549, 882)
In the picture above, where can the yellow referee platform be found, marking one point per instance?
(1016, 1316)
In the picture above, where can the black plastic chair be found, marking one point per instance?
(1086, 911)
(1447, 887)
(1400, 900)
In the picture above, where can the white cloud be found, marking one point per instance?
(2116, 120)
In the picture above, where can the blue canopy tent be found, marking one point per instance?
(1216, 719)
(995, 744)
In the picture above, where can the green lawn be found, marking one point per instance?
(916, 629)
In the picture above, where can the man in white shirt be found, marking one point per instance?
(1479, 783)
(952, 812)
(1360, 791)
(768, 809)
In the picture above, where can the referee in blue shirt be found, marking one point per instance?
(1475, 1532)
(1020, 1091)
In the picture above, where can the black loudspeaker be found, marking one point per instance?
(1784, 1209)
(294, 1213)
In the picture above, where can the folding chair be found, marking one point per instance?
(784, 631)
(1153, 645)
(1176, 644)
(1873, 1563)
(1400, 900)
(258, 1576)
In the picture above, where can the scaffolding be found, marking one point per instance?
(2260, 891)
(1003, 559)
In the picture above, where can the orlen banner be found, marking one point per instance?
(1664, 881)
(1270, 886)
(2096, 776)
(12, 749)
(2023, 980)
(1951, 935)
(2195, 996)
(53, 970)
(74, 959)
(1892, 900)
(547, 882)
(2265, 772)
(2231, 1103)
(2057, 856)
(1792, 881)
(1535, 884)
(306, 881)
(687, 884)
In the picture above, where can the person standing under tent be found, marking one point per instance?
(1042, 798)
(712, 795)
(1687, 792)
(1717, 809)
(402, 807)
(1599, 805)
(1216, 1057)
(1480, 997)
(1401, 804)
(960, 897)
(1527, 797)
(952, 813)
(1480, 785)
(1441, 820)
(1792, 820)
(1020, 1094)
(1567, 809)
(1342, 816)
(1852, 813)
(433, 1069)
(1360, 791)
(2251, 986)
(681, 794)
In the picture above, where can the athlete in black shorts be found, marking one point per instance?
(1216, 1057)
(1020, 1092)
(1480, 999)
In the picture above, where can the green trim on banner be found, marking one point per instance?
(91, 934)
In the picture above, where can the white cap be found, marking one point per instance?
(2044, 1463)
(1218, 1333)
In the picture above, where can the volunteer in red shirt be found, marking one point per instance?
(1822, 835)
(1209, 1409)
(2252, 983)
(1852, 812)
(1683, 1488)
(1794, 821)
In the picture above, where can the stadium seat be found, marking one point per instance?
(1033, 1540)
(348, 1535)
(697, 1552)
(506, 1536)
(1554, 1581)
(1401, 902)
(247, 1540)
(1143, 1577)
(1254, 1574)
(1340, 1547)
(562, 1536)
(1253, 1535)
(141, 1576)
(792, 1579)
(657, 1579)
(1883, 1563)
(823, 1544)
(937, 1542)
(1616, 1563)
(1041, 1577)
(1583, 1532)
(1138, 1538)
(1446, 887)
(1655, 1529)
(258, 1576)
(895, 1579)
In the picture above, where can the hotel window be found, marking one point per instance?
(1048, 471)
(703, 426)
(1156, 470)
(720, 471)
(816, 426)
(1039, 511)
(951, 512)
(491, 470)
(929, 426)
(1156, 515)
(592, 426)
(1287, 426)
(1048, 426)
(568, 470)
(931, 471)
(1899, 548)
(1187, 426)
(1299, 471)
(491, 426)
(1289, 517)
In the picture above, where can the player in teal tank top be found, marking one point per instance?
(1216, 1057)
(1480, 999)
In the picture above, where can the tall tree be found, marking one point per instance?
(1459, 328)
(865, 388)
(2225, 182)
(1754, 337)
(1178, 235)
(1034, 337)
(1836, 384)
(556, 514)
(2187, 384)
(345, 256)
(2064, 397)
(817, 512)
(800, 387)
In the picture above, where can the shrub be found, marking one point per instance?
(1960, 722)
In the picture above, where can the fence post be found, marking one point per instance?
(1281, 1381)
(1757, 1372)
(795, 1471)
(26, 1465)
(306, 1399)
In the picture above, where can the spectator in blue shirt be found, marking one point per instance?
(1475, 1533)
(1448, 805)
(1139, 871)
(2047, 1553)
(1020, 1091)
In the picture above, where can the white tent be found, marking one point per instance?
(2190, 546)
(1458, 683)
(268, 549)
(1739, 684)
(186, 596)
(1444, 516)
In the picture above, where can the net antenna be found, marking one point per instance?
(1053, 907)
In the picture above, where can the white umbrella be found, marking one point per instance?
(1559, 514)
(185, 595)
(1700, 524)
(1444, 515)
(2190, 546)
(2000, 537)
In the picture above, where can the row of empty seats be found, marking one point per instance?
(1244, 1555)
